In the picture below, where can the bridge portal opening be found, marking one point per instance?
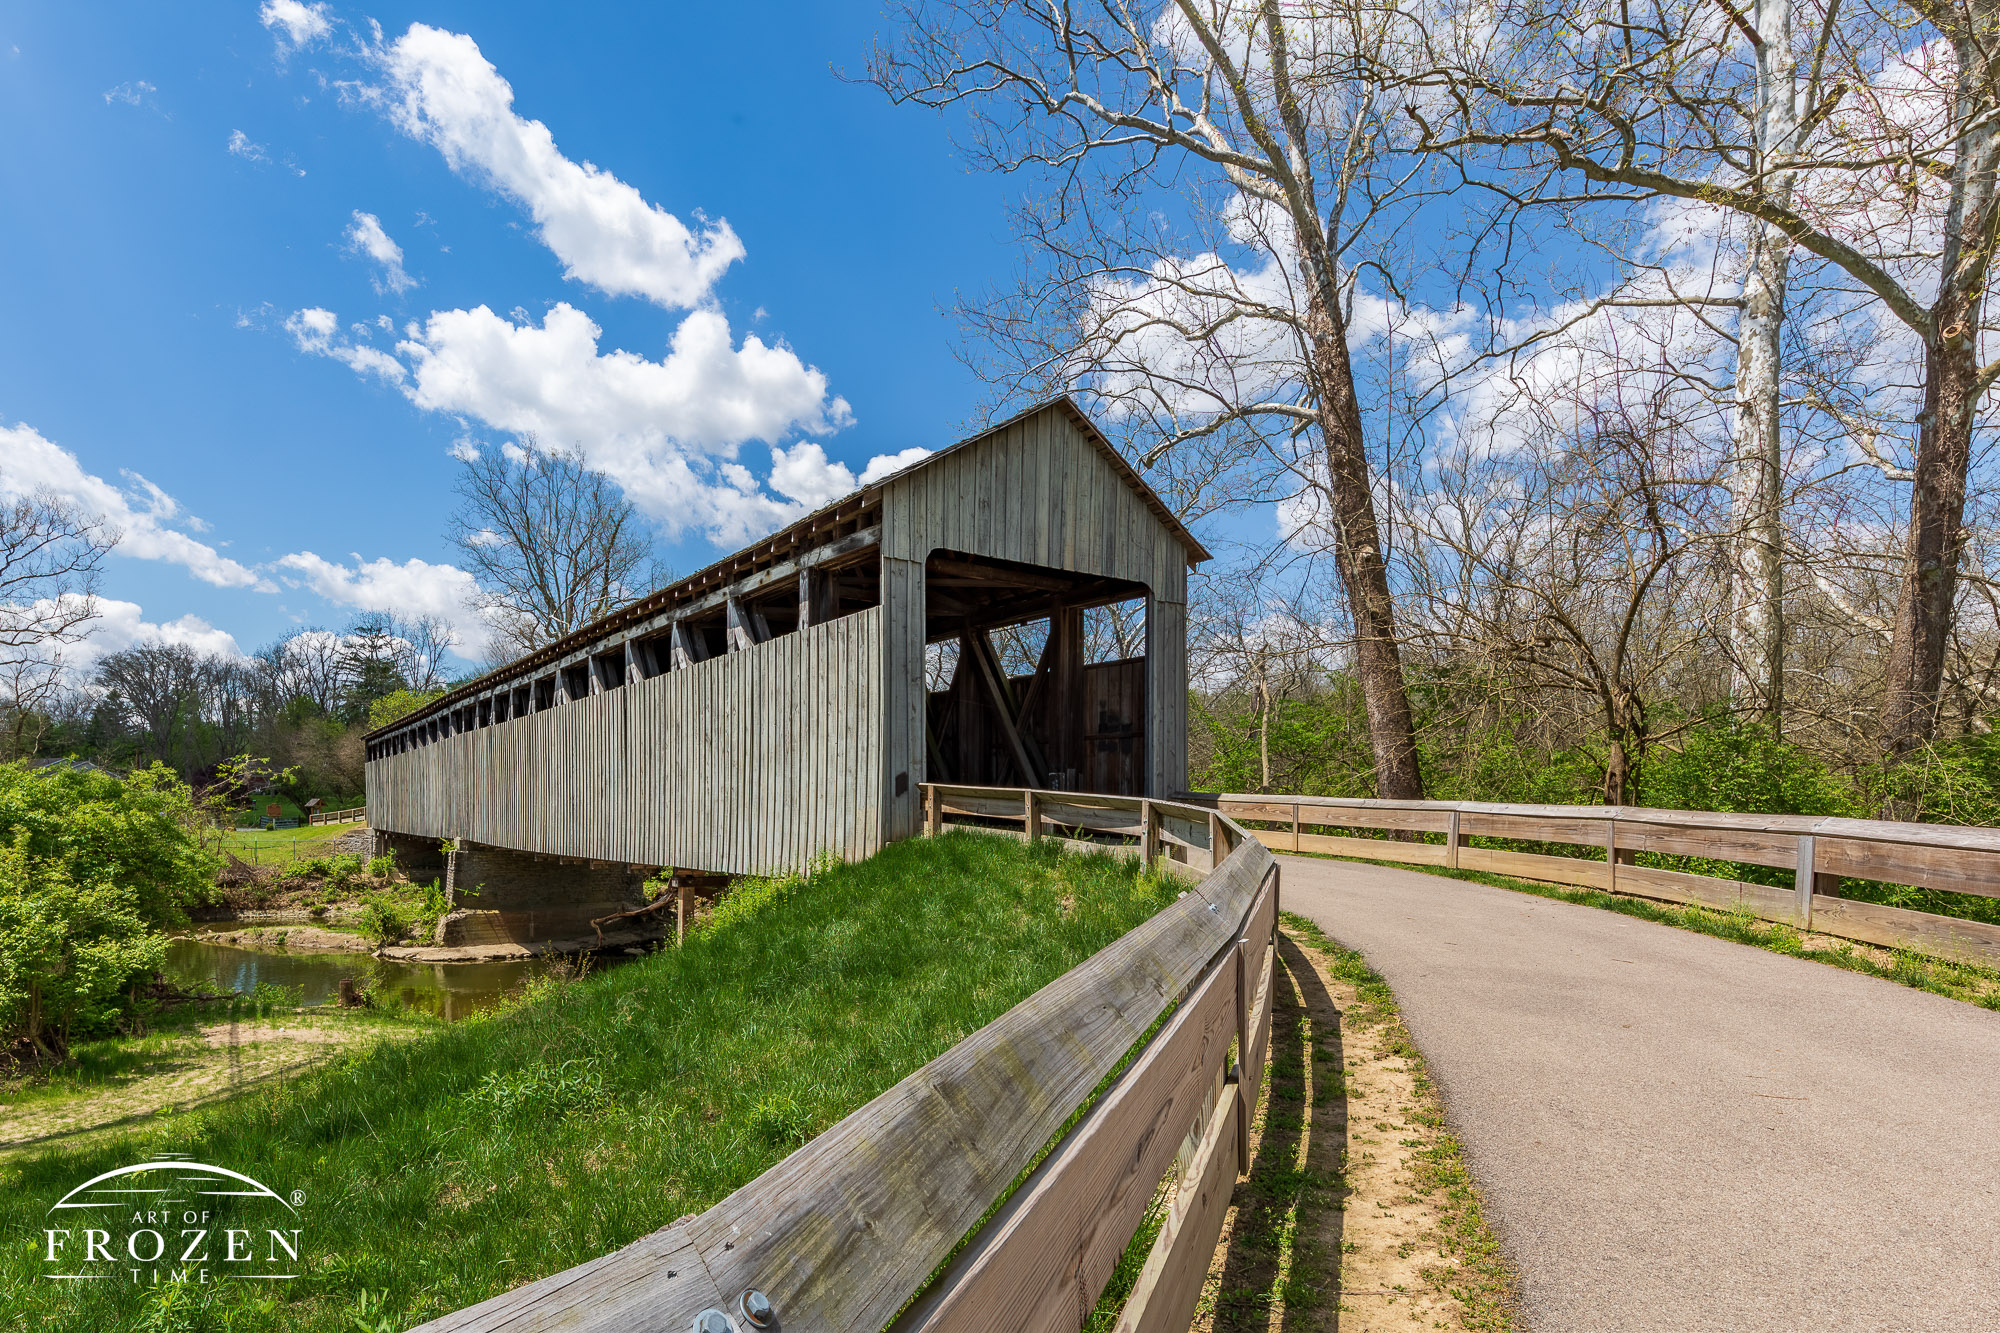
(1034, 676)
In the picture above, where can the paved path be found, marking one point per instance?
(1675, 1132)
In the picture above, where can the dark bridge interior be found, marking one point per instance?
(1036, 676)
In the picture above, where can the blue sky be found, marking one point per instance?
(195, 294)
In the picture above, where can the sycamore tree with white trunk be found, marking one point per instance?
(1864, 138)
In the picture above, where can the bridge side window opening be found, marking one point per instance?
(651, 656)
(609, 668)
(708, 633)
(545, 693)
(485, 713)
(1034, 676)
(575, 681)
(501, 701)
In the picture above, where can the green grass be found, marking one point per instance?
(441, 1171)
(277, 846)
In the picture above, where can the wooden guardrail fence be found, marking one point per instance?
(845, 1235)
(359, 812)
(1818, 851)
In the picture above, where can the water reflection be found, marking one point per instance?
(450, 990)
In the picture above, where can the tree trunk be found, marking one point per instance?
(1756, 474)
(1263, 731)
(1626, 725)
(1358, 556)
(1944, 428)
(1937, 537)
(1756, 491)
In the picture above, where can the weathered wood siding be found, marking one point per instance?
(1038, 492)
(744, 764)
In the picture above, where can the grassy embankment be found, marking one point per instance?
(440, 1171)
(267, 847)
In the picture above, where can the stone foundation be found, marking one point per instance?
(422, 859)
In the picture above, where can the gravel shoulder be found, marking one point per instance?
(1675, 1132)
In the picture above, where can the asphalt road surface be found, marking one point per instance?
(1674, 1132)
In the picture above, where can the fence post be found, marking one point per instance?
(1243, 1094)
(1149, 835)
(1611, 855)
(933, 811)
(1295, 826)
(1031, 807)
(1451, 842)
(1217, 840)
(1803, 881)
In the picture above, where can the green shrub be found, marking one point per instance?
(385, 918)
(1724, 765)
(337, 873)
(142, 833)
(69, 949)
(383, 866)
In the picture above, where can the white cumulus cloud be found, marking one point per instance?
(294, 24)
(121, 625)
(667, 431)
(804, 472)
(316, 330)
(366, 237)
(443, 92)
(141, 512)
(412, 589)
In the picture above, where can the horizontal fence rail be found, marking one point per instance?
(1819, 852)
(358, 813)
(847, 1235)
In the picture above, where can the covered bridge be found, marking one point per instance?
(787, 701)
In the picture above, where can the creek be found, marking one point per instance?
(449, 990)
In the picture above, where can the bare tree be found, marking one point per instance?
(164, 686)
(310, 664)
(552, 542)
(1276, 127)
(50, 556)
(421, 647)
(1885, 173)
(1576, 567)
(381, 654)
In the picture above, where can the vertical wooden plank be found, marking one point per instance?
(1451, 842)
(1802, 881)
